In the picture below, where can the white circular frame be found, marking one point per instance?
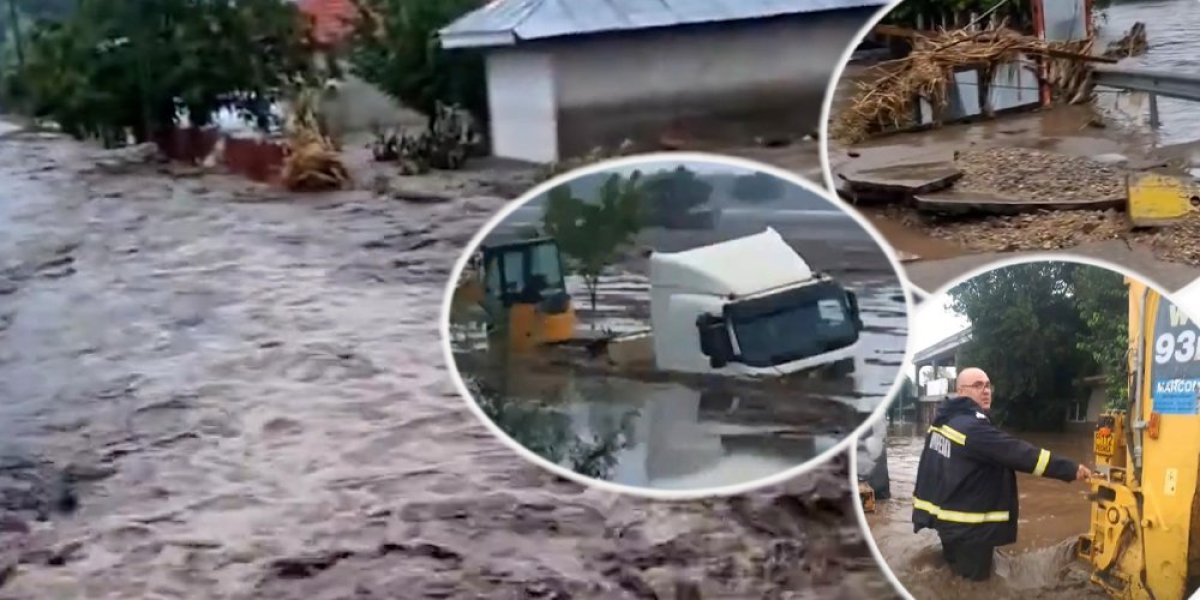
(940, 293)
(643, 159)
(831, 89)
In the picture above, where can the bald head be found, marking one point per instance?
(973, 383)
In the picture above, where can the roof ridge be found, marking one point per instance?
(530, 8)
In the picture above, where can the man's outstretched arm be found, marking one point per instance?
(984, 442)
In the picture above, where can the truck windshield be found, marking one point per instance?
(793, 324)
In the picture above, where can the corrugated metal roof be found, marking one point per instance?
(503, 22)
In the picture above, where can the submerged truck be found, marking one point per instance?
(750, 306)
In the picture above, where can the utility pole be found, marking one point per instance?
(16, 32)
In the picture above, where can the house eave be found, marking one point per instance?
(477, 39)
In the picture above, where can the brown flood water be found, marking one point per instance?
(1039, 565)
(210, 393)
(686, 435)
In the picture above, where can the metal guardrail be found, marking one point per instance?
(1185, 86)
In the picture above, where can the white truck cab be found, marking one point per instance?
(749, 306)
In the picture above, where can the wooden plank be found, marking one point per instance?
(901, 181)
(966, 201)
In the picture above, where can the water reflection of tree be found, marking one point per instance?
(548, 433)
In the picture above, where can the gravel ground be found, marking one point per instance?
(1037, 175)
(1058, 230)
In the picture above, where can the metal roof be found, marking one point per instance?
(506, 22)
(943, 349)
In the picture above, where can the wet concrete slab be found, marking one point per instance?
(965, 202)
(900, 181)
(930, 275)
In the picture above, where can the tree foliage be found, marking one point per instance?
(1102, 300)
(671, 194)
(906, 397)
(401, 55)
(116, 64)
(758, 187)
(1038, 328)
(591, 235)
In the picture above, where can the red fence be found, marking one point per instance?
(259, 160)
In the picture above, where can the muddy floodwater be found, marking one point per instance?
(1039, 565)
(211, 390)
(684, 435)
(1171, 27)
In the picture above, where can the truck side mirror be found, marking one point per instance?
(714, 340)
(852, 299)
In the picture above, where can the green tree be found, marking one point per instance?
(758, 187)
(400, 53)
(1103, 303)
(669, 195)
(906, 397)
(1025, 332)
(592, 235)
(114, 65)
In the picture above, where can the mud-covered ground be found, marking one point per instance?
(212, 391)
(1057, 153)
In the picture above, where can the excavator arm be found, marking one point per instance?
(1144, 539)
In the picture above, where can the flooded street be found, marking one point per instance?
(1040, 564)
(211, 390)
(679, 434)
(1174, 48)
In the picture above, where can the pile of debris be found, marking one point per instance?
(888, 100)
(312, 162)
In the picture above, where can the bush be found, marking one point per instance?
(116, 65)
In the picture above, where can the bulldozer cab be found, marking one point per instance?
(523, 272)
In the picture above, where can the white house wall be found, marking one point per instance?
(772, 72)
(521, 103)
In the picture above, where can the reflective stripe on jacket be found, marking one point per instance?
(966, 486)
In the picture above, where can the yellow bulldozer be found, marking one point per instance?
(519, 284)
(1144, 539)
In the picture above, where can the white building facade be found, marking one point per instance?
(565, 76)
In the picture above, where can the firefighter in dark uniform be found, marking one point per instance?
(966, 487)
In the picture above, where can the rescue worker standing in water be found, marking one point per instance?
(966, 487)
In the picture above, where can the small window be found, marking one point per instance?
(1077, 411)
(544, 263)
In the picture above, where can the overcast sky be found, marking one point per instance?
(933, 322)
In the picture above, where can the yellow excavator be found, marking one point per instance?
(519, 284)
(1144, 539)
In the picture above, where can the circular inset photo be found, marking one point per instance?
(676, 325)
(973, 132)
(1045, 442)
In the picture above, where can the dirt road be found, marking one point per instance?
(206, 392)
